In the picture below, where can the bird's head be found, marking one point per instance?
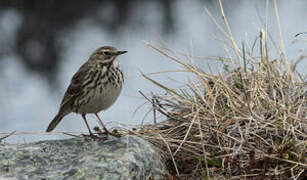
(106, 54)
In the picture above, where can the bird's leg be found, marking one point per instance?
(88, 127)
(89, 130)
(106, 130)
(104, 127)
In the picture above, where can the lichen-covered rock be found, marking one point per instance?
(127, 157)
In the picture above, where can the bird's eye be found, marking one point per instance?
(107, 53)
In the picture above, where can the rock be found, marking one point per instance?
(128, 157)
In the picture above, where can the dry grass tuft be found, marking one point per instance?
(247, 122)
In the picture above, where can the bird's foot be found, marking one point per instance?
(114, 133)
(106, 132)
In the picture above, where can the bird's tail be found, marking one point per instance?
(56, 120)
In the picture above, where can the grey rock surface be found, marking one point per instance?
(126, 158)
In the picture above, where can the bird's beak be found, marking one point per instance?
(120, 52)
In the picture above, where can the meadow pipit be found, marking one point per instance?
(94, 87)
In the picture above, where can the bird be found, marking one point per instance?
(93, 88)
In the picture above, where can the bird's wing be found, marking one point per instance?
(75, 87)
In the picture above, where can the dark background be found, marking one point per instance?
(43, 43)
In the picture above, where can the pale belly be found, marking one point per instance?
(100, 100)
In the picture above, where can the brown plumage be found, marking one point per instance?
(94, 87)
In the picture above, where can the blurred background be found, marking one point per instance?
(43, 43)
